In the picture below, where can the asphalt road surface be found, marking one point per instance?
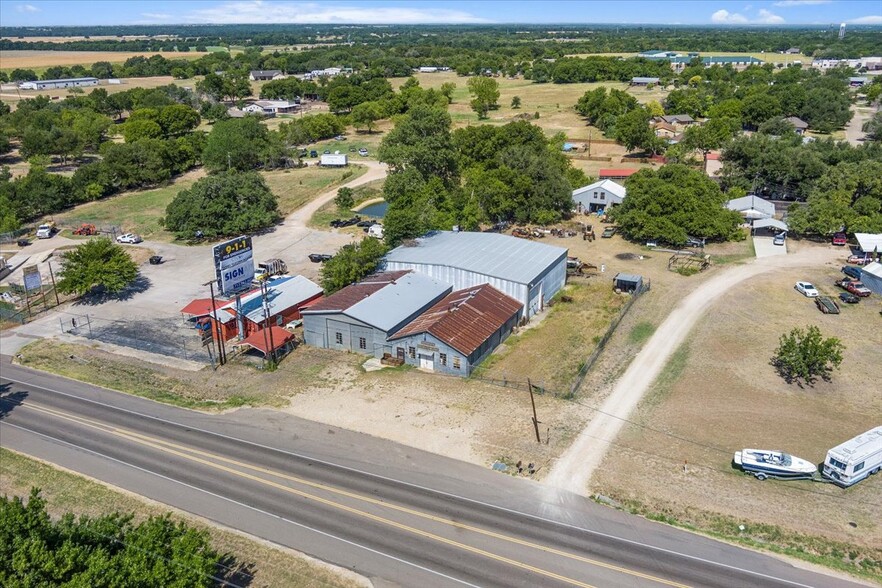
(393, 514)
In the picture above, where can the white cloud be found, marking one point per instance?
(767, 17)
(734, 18)
(258, 11)
(27, 8)
(725, 17)
(788, 3)
(869, 20)
(156, 16)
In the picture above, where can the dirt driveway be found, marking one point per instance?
(576, 465)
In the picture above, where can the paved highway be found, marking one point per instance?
(396, 515)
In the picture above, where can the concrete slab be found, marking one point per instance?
(764, 247)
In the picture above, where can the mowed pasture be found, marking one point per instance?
(40, 60)
(555, 104)
(720, 394)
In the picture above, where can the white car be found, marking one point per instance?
(129, 238)
(806, 289)
(363, 152)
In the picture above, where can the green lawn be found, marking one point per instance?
(140, 212)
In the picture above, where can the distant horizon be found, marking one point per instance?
(716, 13)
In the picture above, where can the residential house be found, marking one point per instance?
(459, 331)
(271, 108)
(598, 196)
(799, 125)
(263, 75)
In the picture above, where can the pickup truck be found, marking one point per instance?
(853, 286)
(45, 231)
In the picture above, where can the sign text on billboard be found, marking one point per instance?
(32, 278)
(234, 265)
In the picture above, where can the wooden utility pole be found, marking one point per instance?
(221, 350)
(535, 419)
(54, 287)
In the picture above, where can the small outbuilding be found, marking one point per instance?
(265, 75)
(598, 196)
(620, 174)
(361, 316)
(275, 338)
(459, 331)
(58, 84)
(627, 282)
(642, 81)
(799, 125)
(752, 207)
(871, 276)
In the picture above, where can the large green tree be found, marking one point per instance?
(485, 94)
(804, 355)
(633, 131)
(97, 264)
(223, 205)
(352, 263)
(109, 550)
(364, 115)
(236, 144)
(672, 203)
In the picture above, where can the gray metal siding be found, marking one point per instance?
(320, 330)
(872, 282)
(438, 348)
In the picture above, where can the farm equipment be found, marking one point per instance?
(85, 230)
(520, 232)
(577, 267)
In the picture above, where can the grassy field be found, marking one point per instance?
(140, 211)
(721, 393)
(551, 353)
(67, 492)
(40, 60)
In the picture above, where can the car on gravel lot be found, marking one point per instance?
(827, 305)
(839, 239)
(779, 239)
(806, 289)
(855, 287)
(129, 238)
(363, 152)
(319, 257)
(849, 298)
(608, 232)
(852, 271)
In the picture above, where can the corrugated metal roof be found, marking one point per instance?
(282, 294)
(465, 319)
(869, 242)
(342, 299)
(490, 254)
(607, 185)
(260, 340)
(202, 306)
(611, 172)
(389, 306)
(751, 202)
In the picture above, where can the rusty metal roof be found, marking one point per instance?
(354, 293)
(464, 319)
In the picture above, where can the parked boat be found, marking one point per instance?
(766, 463)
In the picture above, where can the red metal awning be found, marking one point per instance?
(260, 339)
(202, 307)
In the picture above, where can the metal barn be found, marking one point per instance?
(530, 272)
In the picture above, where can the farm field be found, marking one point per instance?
(29, 59)
(720, 392)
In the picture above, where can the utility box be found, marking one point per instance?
(627, 282)
(334, 160)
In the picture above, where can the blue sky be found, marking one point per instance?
(701, 12)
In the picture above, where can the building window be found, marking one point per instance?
(456, 362)
(442, 357)
(339, 338)
(411, 352)
(603, 195)
(362, 343)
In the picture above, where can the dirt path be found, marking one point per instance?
(301, 216)
(853, 130)
(574, 468)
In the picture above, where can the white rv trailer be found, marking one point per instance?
(854, 460)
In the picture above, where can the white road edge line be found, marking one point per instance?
(263, 512)
(427, 489)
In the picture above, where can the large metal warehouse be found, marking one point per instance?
(530, 272)
(361, 316)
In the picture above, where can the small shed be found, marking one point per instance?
(643, 81)
(871, 276)
(627, 282)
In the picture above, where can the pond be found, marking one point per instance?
(377, 209)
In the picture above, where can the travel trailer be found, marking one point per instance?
(854, 460)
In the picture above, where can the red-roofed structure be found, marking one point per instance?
(260, 340)
(610, 173)
(459, 331)
(202, 307)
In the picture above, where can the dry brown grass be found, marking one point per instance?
(41, 59)
(721, 393)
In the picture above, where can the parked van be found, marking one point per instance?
(854, 460)
(375, 231)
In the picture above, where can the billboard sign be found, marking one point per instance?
(32, 278)
(234, 265)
